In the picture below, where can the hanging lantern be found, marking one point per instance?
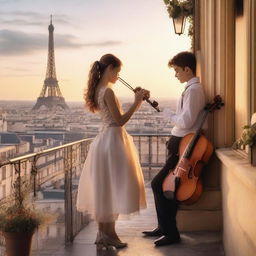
(179, 24)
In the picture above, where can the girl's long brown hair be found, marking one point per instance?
(95, 74)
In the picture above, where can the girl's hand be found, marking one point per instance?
(147, 94)
(137, 89)
(139, 95)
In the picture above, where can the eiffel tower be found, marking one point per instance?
(50, 95)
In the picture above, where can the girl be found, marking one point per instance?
(111, 182)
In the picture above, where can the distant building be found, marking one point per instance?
(12, 139)
(3, 123)
(10, 146)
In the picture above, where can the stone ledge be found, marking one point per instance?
(238, 165)
(210, 200)
(199, 220)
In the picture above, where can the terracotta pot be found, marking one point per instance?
(18, 244)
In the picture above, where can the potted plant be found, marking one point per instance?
(19, 219)
(248, 137)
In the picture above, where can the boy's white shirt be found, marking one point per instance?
(187, 118)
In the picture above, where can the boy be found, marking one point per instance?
(186, 120)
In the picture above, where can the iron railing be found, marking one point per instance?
(60, 167)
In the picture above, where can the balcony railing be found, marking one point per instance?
(56, 171)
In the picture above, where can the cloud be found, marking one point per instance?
(21, 18)
(21, 75)
(15, 42)
(21, 22)
(16, 69)
(103, 43)
(27, 14)
(19, 43)
(57, 18)
(8, 1)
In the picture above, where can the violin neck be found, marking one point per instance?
(195, 138)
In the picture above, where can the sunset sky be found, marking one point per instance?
(139, 32)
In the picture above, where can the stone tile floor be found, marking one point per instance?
(193, 243)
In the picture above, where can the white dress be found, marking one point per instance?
(111, 182)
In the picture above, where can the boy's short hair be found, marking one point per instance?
(184, 59)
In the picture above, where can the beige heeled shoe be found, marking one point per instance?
(104, 242)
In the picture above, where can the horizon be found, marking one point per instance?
(79, 101)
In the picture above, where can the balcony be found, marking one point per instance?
(54, 175)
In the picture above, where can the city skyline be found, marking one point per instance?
(144, 51)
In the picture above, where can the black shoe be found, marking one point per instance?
(154, 232)
(165, 240)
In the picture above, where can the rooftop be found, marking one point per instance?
(9, 138)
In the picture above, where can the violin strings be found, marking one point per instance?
(125, 83)
(153, 104)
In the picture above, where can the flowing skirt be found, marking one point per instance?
(111, 182)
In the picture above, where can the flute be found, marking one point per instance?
(154, 104)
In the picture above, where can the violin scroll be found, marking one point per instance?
(217, 104)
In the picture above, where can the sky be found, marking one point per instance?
(138, 32)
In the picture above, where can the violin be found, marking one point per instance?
(154, 104)
(195, 150)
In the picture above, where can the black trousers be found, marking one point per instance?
(166, 209)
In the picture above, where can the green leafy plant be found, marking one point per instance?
(177, 8)
(19, 220)
(248, 137)
(18, 214)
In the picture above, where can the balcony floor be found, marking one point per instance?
(193, 243)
